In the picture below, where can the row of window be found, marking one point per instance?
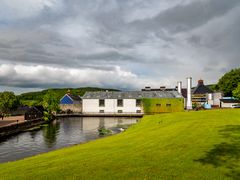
(159, 105)
(119, 103)
(120, 111)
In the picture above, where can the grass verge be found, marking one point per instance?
(186, 145)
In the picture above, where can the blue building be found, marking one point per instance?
(71, 103)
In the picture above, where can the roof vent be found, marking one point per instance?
(68, 91)
(162, 88)
(147, 88)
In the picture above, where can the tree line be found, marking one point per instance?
(229, 83)
(49, 99)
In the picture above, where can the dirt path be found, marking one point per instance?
(11, 120)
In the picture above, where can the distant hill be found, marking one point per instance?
(34, 98)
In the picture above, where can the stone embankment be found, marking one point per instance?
(18, 127)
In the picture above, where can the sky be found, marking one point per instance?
(122, 44)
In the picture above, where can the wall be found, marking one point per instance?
(227, 105)
(77, 108)
(151, 106)
(16, 128)
(216, 98)
(92, 106)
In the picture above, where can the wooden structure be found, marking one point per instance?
(33, 113)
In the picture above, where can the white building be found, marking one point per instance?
(120, 102)
(228, 103)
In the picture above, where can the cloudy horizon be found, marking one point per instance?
(116, 43)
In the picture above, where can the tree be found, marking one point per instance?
(229, 82)
(236, 92)
(8, 101)
(51, 104)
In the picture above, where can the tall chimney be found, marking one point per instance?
(200, 82)
(189, 93)
(179, 87)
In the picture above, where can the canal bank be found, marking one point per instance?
(139, 115)
(19, 126)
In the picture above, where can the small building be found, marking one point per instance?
(72, 103)
(228, 102)
(214, 99)
(33, 113)
(134, 102)
(200, 94)
(21, 110)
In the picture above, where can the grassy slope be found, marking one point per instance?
(187, 145)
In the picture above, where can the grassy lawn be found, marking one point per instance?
(186, 145)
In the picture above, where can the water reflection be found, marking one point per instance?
(50, 133)
(60, 133)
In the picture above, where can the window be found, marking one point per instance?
(101, 102)
(101, 111)
(138, 102)
(139, 111)
(120, 103)
(120, 111)
(168, 105)
(158, 105)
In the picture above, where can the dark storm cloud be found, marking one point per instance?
(156, 41)
(186, 17)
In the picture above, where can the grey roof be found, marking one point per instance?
(202, 89)
(131, 95)
(74, 97)
(230, 100)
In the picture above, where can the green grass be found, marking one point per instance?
(185, 145)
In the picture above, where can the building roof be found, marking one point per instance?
(201, 88)
(131, 95)
(184, 92)
(74, 97)
(230, 100)
(159, 89)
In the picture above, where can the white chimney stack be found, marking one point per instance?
(179, 87)
(189, 93)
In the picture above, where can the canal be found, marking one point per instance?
(58, 134)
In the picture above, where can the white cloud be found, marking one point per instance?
(47, 76)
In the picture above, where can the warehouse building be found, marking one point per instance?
(134, 102)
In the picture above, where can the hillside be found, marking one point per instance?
(32, 98)
(186, 145)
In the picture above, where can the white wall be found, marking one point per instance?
(227, 105)
(92, 106)
(73, 107)
(215, 100)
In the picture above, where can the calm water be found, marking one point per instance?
(60, 133)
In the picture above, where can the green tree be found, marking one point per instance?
(8, 101)
(236, 92)
(51, 105)
(229, 82)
